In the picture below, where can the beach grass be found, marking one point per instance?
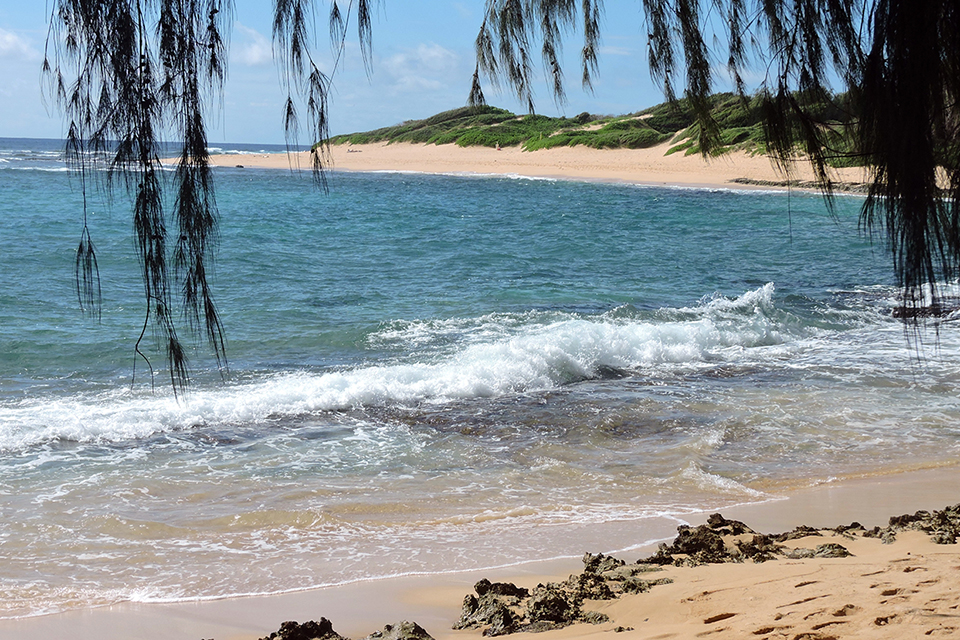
(740, 122)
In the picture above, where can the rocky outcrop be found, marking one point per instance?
(719, 540)
(501, 608)
(401, 631)
(812, 185)
(484, 586)
(311, 630)
(323, 630)
(942, 526)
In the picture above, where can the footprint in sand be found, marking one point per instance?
(941, 631)
(824, 625)
(846, 610)
(762, 631)
(805, 600)
(718, 618)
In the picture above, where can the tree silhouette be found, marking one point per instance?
(127, 72)
(896, 61)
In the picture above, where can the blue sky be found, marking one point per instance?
(423, 63)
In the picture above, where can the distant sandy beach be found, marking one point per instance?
(638, 166)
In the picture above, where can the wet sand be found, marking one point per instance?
(908, 589)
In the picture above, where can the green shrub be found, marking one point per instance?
(739, 120)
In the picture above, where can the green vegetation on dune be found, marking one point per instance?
(431, 130)
(739, 119)
(489, 126)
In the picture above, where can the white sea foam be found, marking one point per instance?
(710, 482)
(499, 356)
(457, 174)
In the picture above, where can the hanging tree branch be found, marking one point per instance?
(897, 62)
(127, 72)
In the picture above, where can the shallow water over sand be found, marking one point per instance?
(433, 373)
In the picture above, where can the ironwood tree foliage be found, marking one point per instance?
(127, 72)
(897, 64)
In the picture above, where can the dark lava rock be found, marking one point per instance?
(401, 631)
(477, 613)
(542, 625)
(760, 549)
(502, 622)
(600, 563)
(484, 586)
(702, 544)
(901, 522)
(942, 526)
(468, 611)
(944, 537)
(594, 617)
(853, 526)
(550, 604)
(727, 527)
(589, 586)
(627, 571)
(803, 531)
(661, 557)
(312, 630)
(635, 585)
(831, 550)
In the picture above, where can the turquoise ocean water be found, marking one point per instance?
(437, 372)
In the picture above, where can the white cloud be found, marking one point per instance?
(253, 48)
(617, 51)
(15, 47)
(465, 12)
(427, 68)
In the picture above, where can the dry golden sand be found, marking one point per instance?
(641, 166)
(908, 589)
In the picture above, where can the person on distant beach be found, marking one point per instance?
(498, 146)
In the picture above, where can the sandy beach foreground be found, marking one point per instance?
(909, 588)
(638, 166)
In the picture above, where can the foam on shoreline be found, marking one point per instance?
(433, 601)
